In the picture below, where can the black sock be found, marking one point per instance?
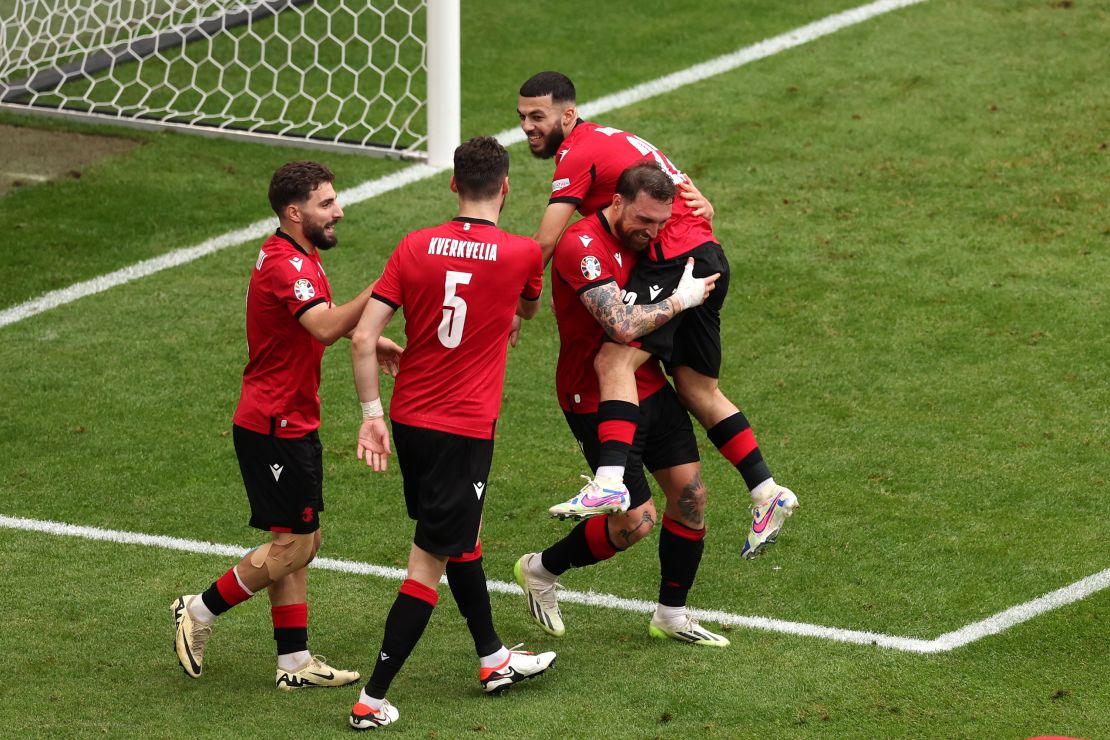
(680, 550)
(467, 580)
(616, 429)
(573, 551)
(733, 436)
(290, 627)
(407, 619)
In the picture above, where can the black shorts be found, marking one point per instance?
(693, 338)
(664, 438)
(446, 479)
(284, 479)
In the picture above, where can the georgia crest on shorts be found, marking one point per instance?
(591, 268)
(303, 290)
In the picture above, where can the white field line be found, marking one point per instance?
(415, 173)
(950, 641)
(26, 176)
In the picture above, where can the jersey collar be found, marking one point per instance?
(469, 220)
(282, 235)
(604, 222)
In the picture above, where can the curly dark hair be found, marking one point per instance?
(481, 165)
(294, 182)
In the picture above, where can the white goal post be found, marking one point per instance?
(372, 76)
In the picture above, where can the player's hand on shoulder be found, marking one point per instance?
(698, 203)
(373, 443)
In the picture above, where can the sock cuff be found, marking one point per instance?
(289, 615)
(727, 428)
(618, 411)
(418, 590)
(616, 430)
(597, 538)
(681, 530)
(230, 590)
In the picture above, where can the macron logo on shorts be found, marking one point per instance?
(479, 488)
(276, 470)
(654, 291)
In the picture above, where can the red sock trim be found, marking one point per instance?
(597, 538)
(737, 448)
(289, 615)
(418, 590)
(466, 557)
(230, 590)
(681, 530)
(617, 430)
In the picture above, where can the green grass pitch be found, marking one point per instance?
(916, 213)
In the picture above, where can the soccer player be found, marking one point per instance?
(460, 284)
(290, 320)
(589, 159)
(592, 260)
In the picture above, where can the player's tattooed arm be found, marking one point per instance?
(623, 322)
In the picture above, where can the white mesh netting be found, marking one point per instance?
(340, 71)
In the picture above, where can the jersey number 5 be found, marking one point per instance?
(454, 310)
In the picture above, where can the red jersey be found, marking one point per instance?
(586, 256)
(588, 165)
(282, 378)
(458, 284)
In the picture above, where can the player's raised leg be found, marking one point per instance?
(617, 419)
(728, 429)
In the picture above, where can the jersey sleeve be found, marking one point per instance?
(292, 288)
(388, 289)
(581, 266)
(574, 175)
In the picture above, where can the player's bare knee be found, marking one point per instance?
(689, 505)
(286, 554)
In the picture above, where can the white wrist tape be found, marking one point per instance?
(690, 290)
(372, 409)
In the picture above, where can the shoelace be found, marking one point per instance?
(547, 594)
(513, 649)
(200, 634)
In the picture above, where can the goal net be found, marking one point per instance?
(375, 76)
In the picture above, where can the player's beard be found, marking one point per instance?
(631, 239)
(319, 238)
(551, 146)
